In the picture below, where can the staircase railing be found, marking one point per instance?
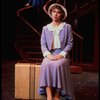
(25, 21)
(76, 54)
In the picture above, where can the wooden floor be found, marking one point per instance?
(85, 84)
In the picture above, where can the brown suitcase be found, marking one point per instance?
(24, 81)
(27, 81)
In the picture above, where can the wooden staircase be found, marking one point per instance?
(28, 46)
(28, 43)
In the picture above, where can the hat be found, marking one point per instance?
(62, 7)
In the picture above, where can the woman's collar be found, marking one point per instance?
(60, 27)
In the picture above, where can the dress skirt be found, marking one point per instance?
(57, 75)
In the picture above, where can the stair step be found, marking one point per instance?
(75, 69)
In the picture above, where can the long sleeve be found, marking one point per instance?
(69, 44)
(44, 47)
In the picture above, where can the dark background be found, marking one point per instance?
(8, 28)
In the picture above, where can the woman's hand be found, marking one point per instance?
(54, 57)
(57, 57)
(51, 57)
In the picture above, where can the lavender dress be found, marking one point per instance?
(56, 73)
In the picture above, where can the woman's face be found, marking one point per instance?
(56, 15)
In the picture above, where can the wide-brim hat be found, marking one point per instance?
(62, 7)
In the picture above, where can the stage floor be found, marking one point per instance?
(85, 84)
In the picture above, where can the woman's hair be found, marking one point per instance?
(60, 9)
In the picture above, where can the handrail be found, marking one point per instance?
(78, 35)
(44, 7)
(18, 14)
(22, 9)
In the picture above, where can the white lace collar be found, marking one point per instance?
(51, 28)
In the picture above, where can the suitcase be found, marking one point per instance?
(27, 81)
(24, 81)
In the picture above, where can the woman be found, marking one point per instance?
(56, 43)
